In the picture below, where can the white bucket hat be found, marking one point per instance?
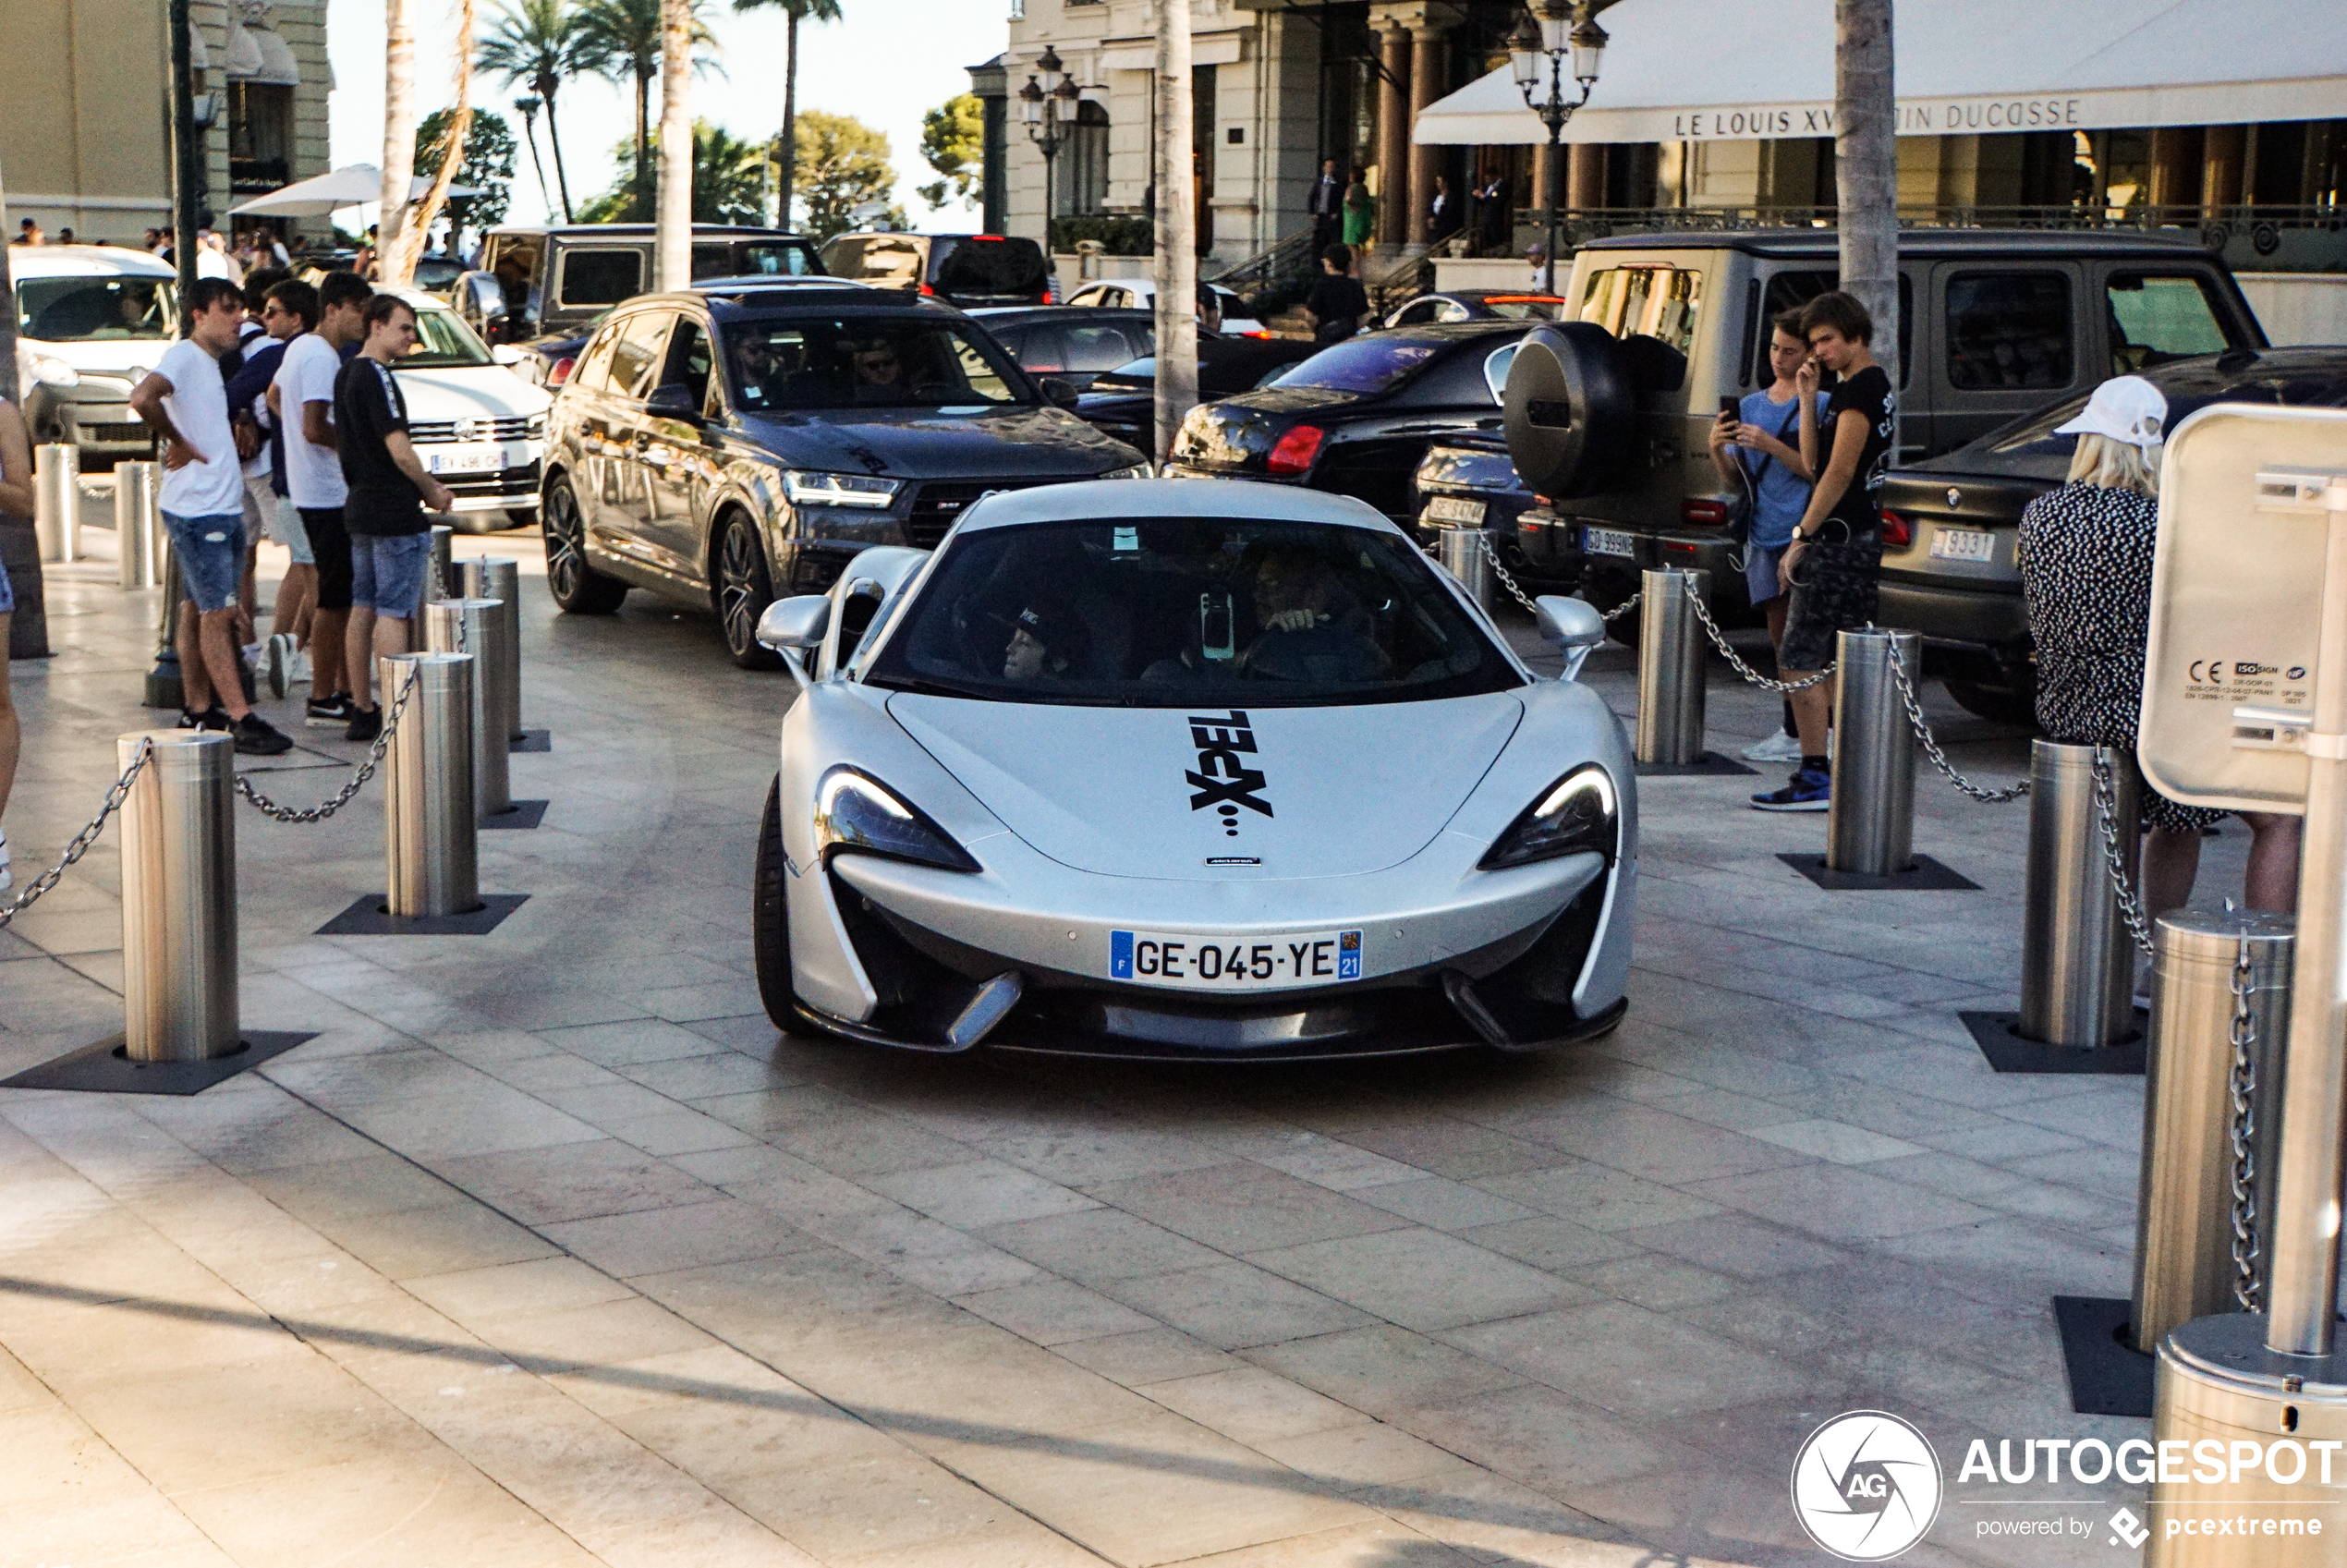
(2126, 409)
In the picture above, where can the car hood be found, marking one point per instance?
(1124, 791)
(130, 357)
(1240, 432)
(926, 444)
(477, 389)
(1988, 463)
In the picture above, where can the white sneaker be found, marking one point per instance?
(7, 880)
(1777, 747)
(298, 667)
(278, 656)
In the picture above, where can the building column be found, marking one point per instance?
(2175, 166)
(2221, 164)
(1394, 141)
(1585, 176)
(1537, 212)
(1427, 76)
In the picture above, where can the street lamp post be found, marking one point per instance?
(1550, 35)
(1047, 107)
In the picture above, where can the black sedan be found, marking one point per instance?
(723, 449)
(1956, 581)
(1469, 480)
(1476, 305)
(1074, 343)
(1356, 418)
(1123, 402)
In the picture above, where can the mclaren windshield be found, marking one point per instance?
(1173, 611)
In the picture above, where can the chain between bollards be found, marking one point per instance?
(1940, 759)
(342, 797)
(1735, 660)
(2242, 1089)
(2131, 909)
(82, 841)
(1516, 590)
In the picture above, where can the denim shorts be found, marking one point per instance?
(281, 522)
(7, 594)
(387, 572)
(211, 556)
(1760, 571)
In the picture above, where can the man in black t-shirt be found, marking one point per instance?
(390, 540)
(1836, 554)
(1337, 301)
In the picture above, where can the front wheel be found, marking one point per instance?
(577, 587)
(744, 589)
(770, 913)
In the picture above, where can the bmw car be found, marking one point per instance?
(1161, 769)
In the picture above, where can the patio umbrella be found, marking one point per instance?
(352, 186)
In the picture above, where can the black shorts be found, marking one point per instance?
(330, 547)
(1833, 591)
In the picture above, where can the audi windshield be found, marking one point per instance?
(877, 362)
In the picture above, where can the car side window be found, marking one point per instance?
(637, 352)
(1789, 291)
(1450, 311)
(688, 360)
(1038, 348)
(600, 276)
(1101, 347)
(1414, 312)
(2008, 330)
(979, 372)
(593, 370)
(2153, 320)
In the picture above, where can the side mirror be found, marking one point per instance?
(795, 624)
(1575, 627)
(673, 400)
(1060, 392)
(507, 355)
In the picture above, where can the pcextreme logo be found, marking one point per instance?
(1867, 1486)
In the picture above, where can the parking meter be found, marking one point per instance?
(2245, 707)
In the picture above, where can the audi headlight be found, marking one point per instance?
(1579, 815)
(806, 489)
(51, 372)
(855, 813)
(1139, 471)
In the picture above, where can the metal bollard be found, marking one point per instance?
(2077, 961)
(478, 627)
(179, 897)
(1671, 668)
(429, 827)
(440, 582)
(499, 577)
(56, 501)
(1870, 825)
(2185, 1265)
(138, 523)
(1461, 551)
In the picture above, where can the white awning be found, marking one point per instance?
(354, 185)
(1695, 70)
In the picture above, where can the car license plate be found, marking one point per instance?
(1196, 962)
(1454, 509)
(1963, 544)
(483, 460)
(1606, 541)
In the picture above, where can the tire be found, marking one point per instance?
(744, 589)
(1994, 702)
(577, 587)
(769, 915)
(1571, 410)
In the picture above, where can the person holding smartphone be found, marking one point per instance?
(1755, 446)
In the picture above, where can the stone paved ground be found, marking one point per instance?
(548, 1249)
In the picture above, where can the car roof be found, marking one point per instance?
(751, 283)
(1237, 500)
(1823, 244)
(843, 294)
(84, 260)
(645, 231)
(1019, 315)
(420, 299)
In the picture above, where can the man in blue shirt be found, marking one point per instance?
(1759, 447)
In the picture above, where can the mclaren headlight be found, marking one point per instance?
(806, 488)
(1579, 815)
(856, 814)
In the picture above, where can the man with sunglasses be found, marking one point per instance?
(879, 373)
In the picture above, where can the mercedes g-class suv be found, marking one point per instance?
(556, 280)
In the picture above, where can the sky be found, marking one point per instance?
(885, 62)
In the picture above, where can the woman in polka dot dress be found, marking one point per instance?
(2085, 554)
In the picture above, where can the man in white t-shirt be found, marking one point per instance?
(185, 399)
(303, 395)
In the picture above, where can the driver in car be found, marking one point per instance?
(1042, 644)
(754, 363)
(879, 373)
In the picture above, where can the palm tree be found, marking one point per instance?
(538, 42)
(621, 40)
(399, 132)
(796, 12)
(415, 227)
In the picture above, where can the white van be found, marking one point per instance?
(91, 321)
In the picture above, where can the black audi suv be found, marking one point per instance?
(722, 449)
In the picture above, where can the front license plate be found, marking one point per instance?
(1606, 541)
(1454, 509)
(487, 460)
(1963, 544)
(1206, 962)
